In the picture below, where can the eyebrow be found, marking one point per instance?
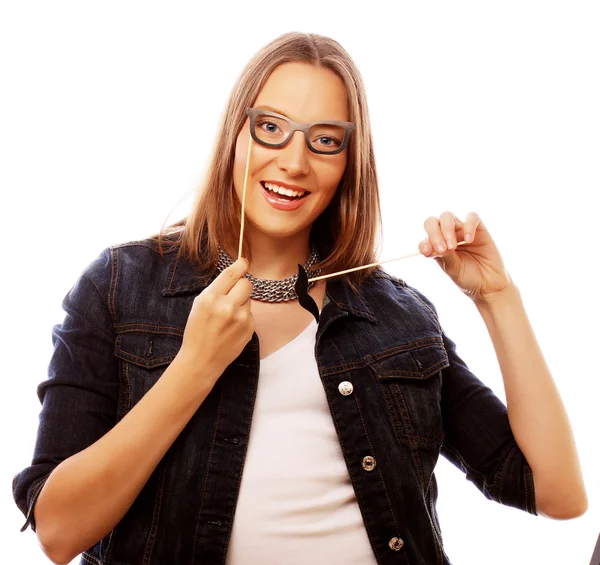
(267, 107)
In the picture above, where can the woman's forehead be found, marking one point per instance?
(304, 93)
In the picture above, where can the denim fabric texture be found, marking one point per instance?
(413, 398)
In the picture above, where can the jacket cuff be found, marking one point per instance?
(30, 519)
(530, 505)
(513, 484)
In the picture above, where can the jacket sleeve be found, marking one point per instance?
(478, 438)
(79, 397)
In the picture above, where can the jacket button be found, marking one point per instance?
(396, 544)
(346, 388)
(368, 463)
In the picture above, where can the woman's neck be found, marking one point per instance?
(276, 258)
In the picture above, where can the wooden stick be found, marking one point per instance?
(374, 264)
(244, 196)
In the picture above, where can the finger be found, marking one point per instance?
(425, 247)
(472, 222)
(229, 276)
(241, 291)
(448, 225)
(432, 227)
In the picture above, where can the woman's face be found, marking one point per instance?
(302, 93)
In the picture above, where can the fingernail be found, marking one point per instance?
(440, 247)
(468, 237)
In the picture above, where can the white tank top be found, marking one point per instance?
(296, 504)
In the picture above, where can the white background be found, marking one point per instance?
(108, 112)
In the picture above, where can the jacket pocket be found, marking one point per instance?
(144, 358)
(147, 350)
(411, 382)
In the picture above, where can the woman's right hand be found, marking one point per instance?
(220, 323)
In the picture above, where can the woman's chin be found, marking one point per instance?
(275, 227)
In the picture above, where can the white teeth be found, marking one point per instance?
(281, 190)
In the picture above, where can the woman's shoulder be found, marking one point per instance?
(396, 288)
(148, 248)
(169, 243)
(132, 259)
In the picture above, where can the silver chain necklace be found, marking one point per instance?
(274, 290)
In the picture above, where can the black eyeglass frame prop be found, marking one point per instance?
(349, 127)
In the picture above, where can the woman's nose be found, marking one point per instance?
(294, 156)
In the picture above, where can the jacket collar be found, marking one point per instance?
(340, 292)
(183, 278)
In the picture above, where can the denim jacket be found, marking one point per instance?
(412, 398)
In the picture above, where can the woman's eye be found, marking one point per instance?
(328, 141)
(270, 126)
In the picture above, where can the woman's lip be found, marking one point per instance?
(287, 205)
(285, 185)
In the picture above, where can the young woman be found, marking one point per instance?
(196, 413)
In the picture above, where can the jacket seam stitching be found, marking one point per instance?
(174, 271)
(387, 496)
(370, 359)
(147, 243)
(138, 327)
(415, 453)
(144, 360)
(114, 274)
(206, 475)
(500, 483)
(155, 518)
(128, 389)
(91, 558)
(239, 482)
(109, 545)
(436, 530)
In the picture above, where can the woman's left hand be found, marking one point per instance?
(475, 267)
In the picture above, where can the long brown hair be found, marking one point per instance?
(347, 231)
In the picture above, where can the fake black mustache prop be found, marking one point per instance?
(304, 299)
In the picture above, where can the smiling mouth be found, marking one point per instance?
(284, 196)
